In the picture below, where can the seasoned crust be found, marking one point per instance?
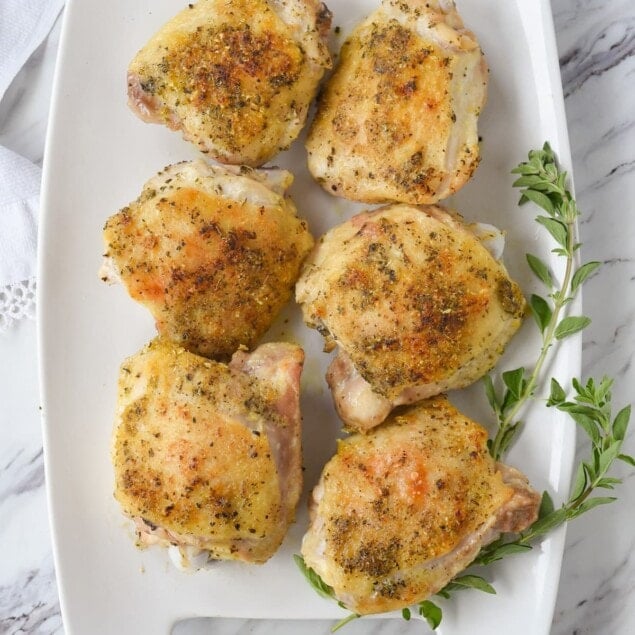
(412, 297)
(213, 253)
(208, 455)
(399, 512)
(236, 76)
(397, 119)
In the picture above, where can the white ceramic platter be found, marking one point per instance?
(98, 157)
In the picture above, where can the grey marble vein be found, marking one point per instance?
(608, 45)
(27, 607)
(22, 474)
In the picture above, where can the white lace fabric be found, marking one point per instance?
(17, 301)
(23, 26)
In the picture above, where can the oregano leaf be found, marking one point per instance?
(557, 395)
(490, 393)
(590, 503)
(474, 582)
(627, 458)
(571, 325)
(541, 311)
(608, 456)
(582, 274)
(500, 552)
(620, 424)
(431, 612)
(540, 199)
(527, 180)
(580, 482)
(546, 505)
(540, 269)
(556, 228)
(313, 578)
(513, 379)
(547, 523)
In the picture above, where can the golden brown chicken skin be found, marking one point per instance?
(206, 455)
(398, 118)
(415, 302)
(399, 512)
(212, 253)
(235, 76)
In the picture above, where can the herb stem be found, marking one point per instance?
(547, 342)
(507, 420)
(344, 622)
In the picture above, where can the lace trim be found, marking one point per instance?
(17, 301)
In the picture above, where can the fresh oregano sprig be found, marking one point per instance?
(542, 182)
(545, 185)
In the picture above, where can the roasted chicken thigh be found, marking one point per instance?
(213, 252)
(398, 118)
(207, 456)
(399, 512)
(235, 76)
(415, 302)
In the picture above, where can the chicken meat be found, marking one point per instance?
(207, 456)
(415, 302)
(235, 76)
(213, 252)
(399, 512)
(397, 120)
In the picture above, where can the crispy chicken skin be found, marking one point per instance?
(415, 302)
(206, 455)
(235, 76)
(213, 253)
(399, 512)
(398, 119)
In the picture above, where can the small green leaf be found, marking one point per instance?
(620, 424)
(608, 456)
(547, 523)
(556, 228)
(540, 199)
(313, 578)
(582, 274)
(627, 458)
(590, 503)
(603, 391)
(431, 612)
(509, 400)
(580, 409)
(527, 180)
(526, 168)
(546, 505)
(608, 482)
(474, 582)
(500, 552)
(490, 393)
(557, 395)
(540, 269)
(514, 380)
(570, 325)
(579, 483)
(506, 439)
(541, 311)
(405, 613)
(588, 425)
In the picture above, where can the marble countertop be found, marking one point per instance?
(596, 42)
